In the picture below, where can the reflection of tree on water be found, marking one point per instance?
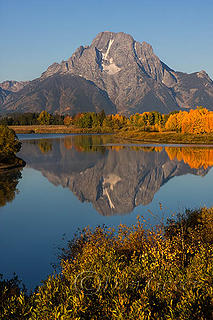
(45, 146)
(8, 185)
(195, 157)
(91, 143)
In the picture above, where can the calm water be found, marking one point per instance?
(74, 181)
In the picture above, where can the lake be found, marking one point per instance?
(72, 181)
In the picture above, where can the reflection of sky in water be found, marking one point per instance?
(32, 226)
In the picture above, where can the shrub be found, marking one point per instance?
(9, 143)
(134, 273)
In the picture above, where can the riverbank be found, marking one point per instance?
(42, 129)
(130, 135)
(166, 137)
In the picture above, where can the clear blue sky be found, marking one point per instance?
(36, 33)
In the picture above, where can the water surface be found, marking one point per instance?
(70, 182)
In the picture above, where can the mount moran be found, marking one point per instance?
(115, 73)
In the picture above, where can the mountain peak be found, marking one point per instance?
(204, 74)
(127, 72)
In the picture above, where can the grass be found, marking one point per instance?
(166, 137)
(52, 129)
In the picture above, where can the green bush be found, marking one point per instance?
(9, 143)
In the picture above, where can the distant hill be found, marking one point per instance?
(115, 73)
(61, 93)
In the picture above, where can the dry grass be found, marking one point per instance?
(48, 129)
(166, 137)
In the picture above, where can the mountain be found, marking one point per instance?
(3, 96)
(115, 181)
(12, 85)
(126, 72)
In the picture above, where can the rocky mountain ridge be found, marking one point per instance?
(126, 71)
(12, 85)
(64, 94)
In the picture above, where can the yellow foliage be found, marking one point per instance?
(195, 121)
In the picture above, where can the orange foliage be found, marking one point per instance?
(68, 120)
(147, 149)
(194, 157)
(175, 121)
(195, 121)
(119, 118)
(116, 148)
(158, 149)
(198, 121)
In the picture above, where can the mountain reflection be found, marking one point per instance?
(8, 185)
(114, 178)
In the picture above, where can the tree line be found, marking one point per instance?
(194, 121)
(32, 118)
(148, 121)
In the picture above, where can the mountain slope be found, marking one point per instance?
(60, 94)
(3, 96)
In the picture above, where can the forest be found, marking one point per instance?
(30, 118)
(193, 121)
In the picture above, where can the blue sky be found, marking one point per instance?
(36, 33)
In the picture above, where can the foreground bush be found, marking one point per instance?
(135, 273)
(9, 143)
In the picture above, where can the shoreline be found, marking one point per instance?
(12, 164)
(43, 129)
(137, 136)
(167, 138)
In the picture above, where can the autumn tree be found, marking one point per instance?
(198, 121)
(108, 123)
(44, 118)
(68, 120)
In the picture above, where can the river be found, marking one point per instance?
(72, 181)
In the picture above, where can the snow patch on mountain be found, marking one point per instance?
(104, 55)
